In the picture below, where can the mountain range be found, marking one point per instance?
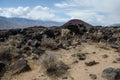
(8, 23)
(14, 22)
(115, 25)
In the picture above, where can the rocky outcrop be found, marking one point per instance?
(111, 73)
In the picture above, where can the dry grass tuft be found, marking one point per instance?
(52, 66)
(48, 42)
(103, 45)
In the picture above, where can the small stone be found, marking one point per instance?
(91, 63)
(94, 52)
(105, 56)
(82, 56)
(38, 51)
(118, 59)
(65, 78)
(114, 61)
(115, 46)
(26, 48)
(93, 76)
(18, 46)
(2, 39)
(75, 62)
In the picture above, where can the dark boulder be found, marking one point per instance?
(105, 56)
(37, 36)
(111, 73)
(115, 46)
(17, 56)
(14, 31)
(20, 66)
(33, 36)
(59, 69)
(77, 29)
(82, 57)
(35, 43)
(32, 33)
(93, 76)
(118, 58)
(38, 51)
(52, 33)
(118, 50)
(2, 39)
(91, 63)
(4, 34)
(26, 48)
(19, 45)
(2, 66)
(6, 56)
(107, 34)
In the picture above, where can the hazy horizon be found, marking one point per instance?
(95, 12)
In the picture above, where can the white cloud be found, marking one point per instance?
(62, 5)
(86, 15)
(42, 13)
(37, 13)
(93, 11)
(14, 12)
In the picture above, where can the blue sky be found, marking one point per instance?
(96, 12)
(24, 3)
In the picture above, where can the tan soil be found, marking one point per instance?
(77, 71)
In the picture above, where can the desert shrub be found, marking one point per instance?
(80, 55)
(48, 42)
(5, 53)
(103, 45)
(15, 40)
(116, 35)
(52, 66)
(65, 32)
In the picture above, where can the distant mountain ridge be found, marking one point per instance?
(115, 25)
(8, 23)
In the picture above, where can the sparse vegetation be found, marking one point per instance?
(5, 53)
(53, 66)
(15, 40)
(81, 56)
(48, 43)
(103, 45)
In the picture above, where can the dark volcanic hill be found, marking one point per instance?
(76, 22)
(77, 26)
